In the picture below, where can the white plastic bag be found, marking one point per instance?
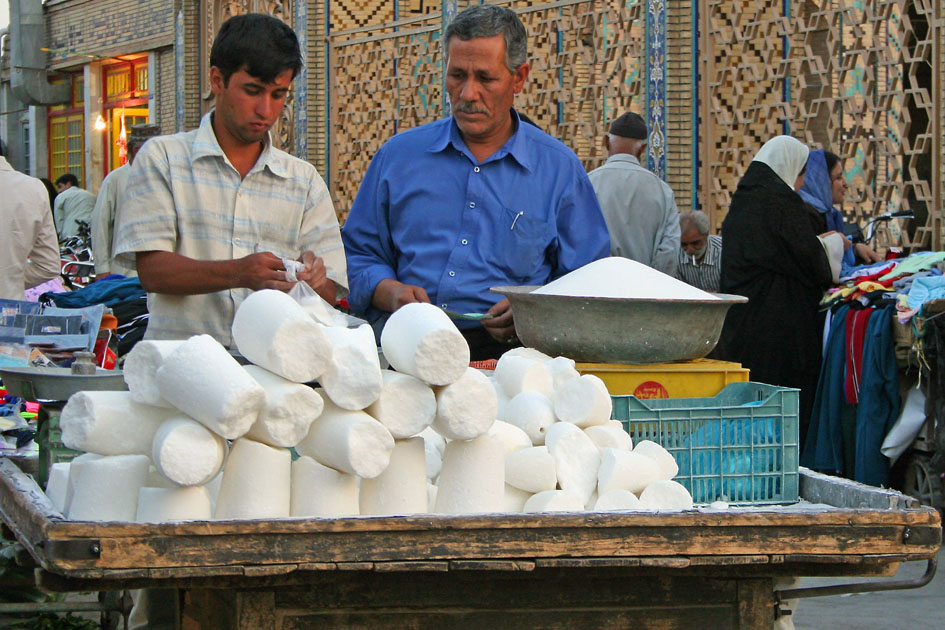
(313, 304)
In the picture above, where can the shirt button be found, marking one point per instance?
(236, 241)
(452, 273)
(443, 305)
(476, 170)
(465, 242)
(472, 204)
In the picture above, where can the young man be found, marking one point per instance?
(211, 213)
(454, 207)
(73, 204)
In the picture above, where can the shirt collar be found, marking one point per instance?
(518, 146)
(711, 257)
(623, 157)
(206, 145)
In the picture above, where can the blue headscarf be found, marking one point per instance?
(818, 192)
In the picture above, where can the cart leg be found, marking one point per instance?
(219, 609)
(755, 604)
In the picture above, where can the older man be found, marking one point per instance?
(29, 249)
(700, 254)
(638, 206)
(448, 209)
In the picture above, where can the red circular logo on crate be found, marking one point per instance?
(650, 389)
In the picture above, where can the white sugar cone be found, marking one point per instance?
(518, 374)
(627, 470)
(610, 435)
(667, 463)
(583, 401)
(75, 469)
(513, 501)
(256, 482)
(406, 405)
(466, 408)
(421, 340)
(402, 487)
(531, 469)
(529, 353)
(473, 477)
(318, 490)
(349, 441)
(204, 381)
(577, 459)
(533, 413)
(562, 369)
(554, 501)
(141, 366)
(157, 480)
(289, 412)
(187, 453)
(352, 378)
(106, 489)
(513, 438)
(58, 485)
(163, 505)
(110, 423)
(666, 495)
(618, 499)
(273, 331)
(433, 445)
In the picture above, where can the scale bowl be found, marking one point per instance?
(617, 330)
(57, 383)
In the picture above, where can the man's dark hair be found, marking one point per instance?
(68, 178)
(832, 160)
(261, 45)
(487, 20)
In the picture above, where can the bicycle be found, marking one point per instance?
(75, 256)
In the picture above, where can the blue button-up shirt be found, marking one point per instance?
(430, 214)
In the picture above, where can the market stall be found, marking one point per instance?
(536, 570)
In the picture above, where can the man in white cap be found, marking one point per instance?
(638, 206)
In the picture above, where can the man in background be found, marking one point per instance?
(72, 205)
(700, 253)
(106, 208)
(29, 249)
(638, 206)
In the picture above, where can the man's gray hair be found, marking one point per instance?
(487, 20)
(694, 219)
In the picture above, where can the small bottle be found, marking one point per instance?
(84, 363)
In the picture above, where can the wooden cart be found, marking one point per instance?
(705, 569)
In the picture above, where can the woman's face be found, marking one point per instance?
(799, 182)
(838, 183)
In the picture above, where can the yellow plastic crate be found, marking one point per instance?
(701, 378)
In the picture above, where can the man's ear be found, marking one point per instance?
(606, 142)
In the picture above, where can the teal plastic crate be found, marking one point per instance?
(739, 446)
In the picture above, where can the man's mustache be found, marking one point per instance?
(468, 108)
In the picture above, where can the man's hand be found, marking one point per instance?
(865, 253)
(389, 295)
(316, 276)
(261, 271)
(500, 326)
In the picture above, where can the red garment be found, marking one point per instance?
(856, 334)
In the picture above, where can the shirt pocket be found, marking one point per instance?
(521, 243)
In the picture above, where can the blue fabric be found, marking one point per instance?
(879, 403)
(428, 213)
(823, 446)
(925, 289)
(107, 292)
(818, 192)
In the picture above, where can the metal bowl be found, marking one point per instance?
(617, 330)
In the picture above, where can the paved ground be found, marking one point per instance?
(919, 609)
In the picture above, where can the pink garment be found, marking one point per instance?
(50, 286)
